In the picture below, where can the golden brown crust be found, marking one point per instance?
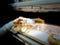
(19, 24)
(38, 20)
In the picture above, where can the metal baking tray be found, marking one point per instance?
(38, 36)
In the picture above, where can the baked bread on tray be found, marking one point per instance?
(25, 24)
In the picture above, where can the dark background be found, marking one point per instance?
(7, 14)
